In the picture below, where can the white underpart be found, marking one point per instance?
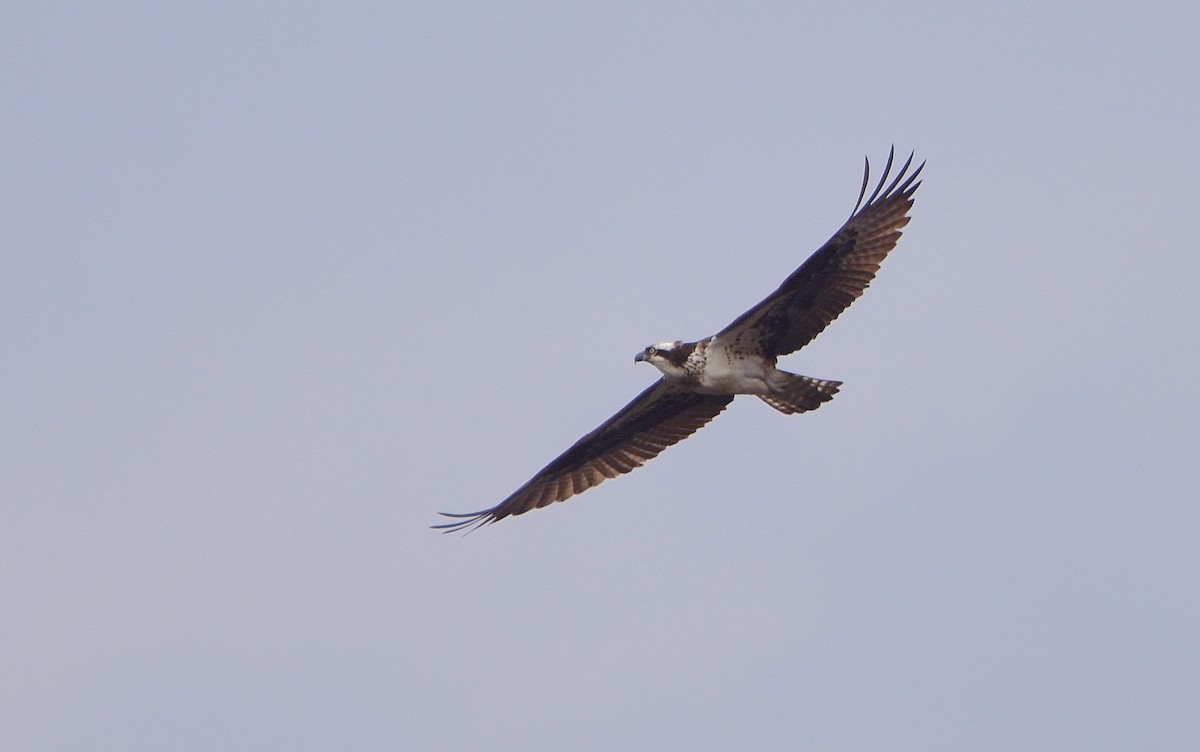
(729, 373)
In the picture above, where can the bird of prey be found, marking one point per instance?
(699, 379)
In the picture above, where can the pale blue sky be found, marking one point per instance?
(279, 282)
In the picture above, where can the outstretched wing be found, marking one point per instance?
(657, 418)
(833, 277)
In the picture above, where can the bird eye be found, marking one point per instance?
(651, 350)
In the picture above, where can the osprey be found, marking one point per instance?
(699, 379)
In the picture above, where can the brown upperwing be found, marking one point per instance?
(833, 277)
(660, 416)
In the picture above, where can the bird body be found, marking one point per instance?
(699, 379)
(715, 366)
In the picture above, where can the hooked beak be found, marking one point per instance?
(639, 357)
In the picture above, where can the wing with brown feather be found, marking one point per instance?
(657, 418)
(833, 277)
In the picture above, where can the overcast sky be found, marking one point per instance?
(279, 282)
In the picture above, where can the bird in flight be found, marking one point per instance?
(699, 379)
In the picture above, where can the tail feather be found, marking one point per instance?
(798, 394)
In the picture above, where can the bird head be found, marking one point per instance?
(667, 357)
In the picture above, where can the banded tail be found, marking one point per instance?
(798, 394)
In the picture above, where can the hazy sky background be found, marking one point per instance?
(280, 281)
